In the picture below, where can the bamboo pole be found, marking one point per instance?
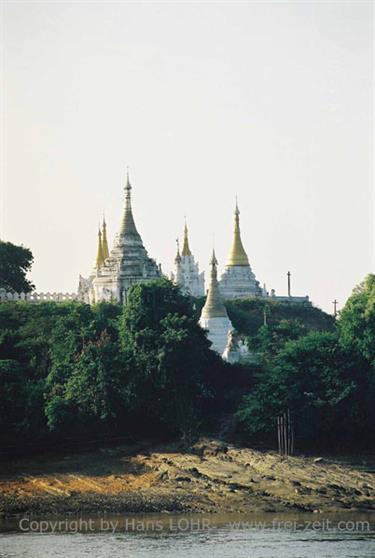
(292, 437)
(285, 435)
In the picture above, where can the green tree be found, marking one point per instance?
(357, 319)
(86, 376)
(272, 337)
(12, 396)
(247, 315)
(172, 361)
(15, 262)
(320, 381)
(357, 334)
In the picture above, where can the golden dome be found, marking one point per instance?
(237, 254)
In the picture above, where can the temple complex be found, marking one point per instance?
(128, 263)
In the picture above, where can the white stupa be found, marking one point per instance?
(214, 316)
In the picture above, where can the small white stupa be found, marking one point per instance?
(236, 349)
(214, 316)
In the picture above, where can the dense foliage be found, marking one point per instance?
(249, 315)
(326, 378)
(15, 262)
(74, 371)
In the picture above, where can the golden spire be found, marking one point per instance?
(105, 241)
(186, 249)
(128, 226)
(99, 257)
(237, 254)
(214, 307)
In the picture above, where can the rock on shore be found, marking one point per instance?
(210, 476)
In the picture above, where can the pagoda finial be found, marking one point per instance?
(128, 185)
(105, 240)
(186, 248)
(237, 256)
(213, 261)
(99, 256)
(128, 226)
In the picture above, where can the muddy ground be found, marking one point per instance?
(210, 476)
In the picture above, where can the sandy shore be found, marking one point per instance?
(208, 477)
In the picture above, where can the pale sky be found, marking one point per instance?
(269, 101)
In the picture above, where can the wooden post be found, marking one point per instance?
(285, 435)
(282, 435)
(292, 438)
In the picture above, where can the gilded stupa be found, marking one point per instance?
(238, 279)
(99, 255)
(214, 317)
(105, 241)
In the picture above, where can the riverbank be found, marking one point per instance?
(210, 476)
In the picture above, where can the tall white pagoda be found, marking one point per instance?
(126, 264)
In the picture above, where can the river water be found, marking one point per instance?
(349, 535)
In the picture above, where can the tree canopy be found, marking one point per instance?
(145, 369)
(70, 369)
(15, 263)
(325, 378)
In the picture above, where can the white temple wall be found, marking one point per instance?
(218, 329)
